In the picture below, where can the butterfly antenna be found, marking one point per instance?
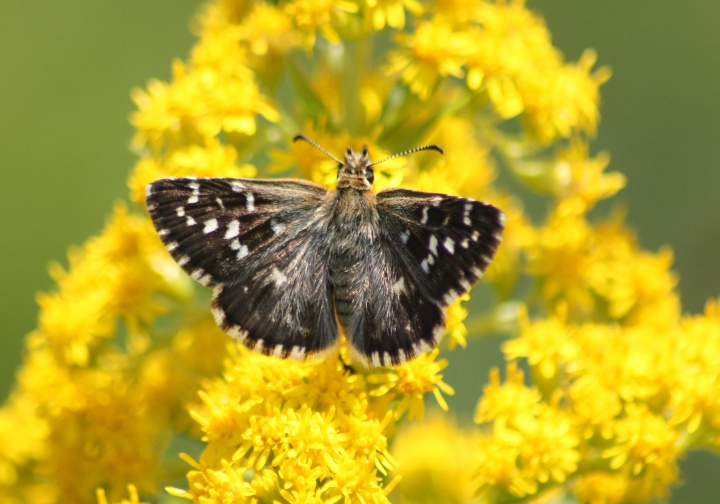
(303, 137)
(416, 149)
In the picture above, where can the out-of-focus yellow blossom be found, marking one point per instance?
(562, 255)
(324, 16)
(379, 13)
(435, 462)
(570, 173)
(127, 367)
(433, 52)
(134, 499)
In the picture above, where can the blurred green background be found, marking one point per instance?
(67, 68)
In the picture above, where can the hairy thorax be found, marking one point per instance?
(353, 230)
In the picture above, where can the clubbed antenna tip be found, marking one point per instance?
(416, 149)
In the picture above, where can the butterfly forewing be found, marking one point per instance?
(446, 242)
(214, 227)
(254, 241)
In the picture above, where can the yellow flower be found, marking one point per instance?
(325, 16)
(562, 257)
(132, 490)
(433, 52)
(695, 399)
(529, 452)
(211, 160)
(410, 382)
(508, 400)
(436, 461)
(310, 423)
(546, 344)
(646, 446)
(379, 13)
(601, 488)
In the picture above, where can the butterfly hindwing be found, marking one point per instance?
(256, 243)
(429, 249)
(284, 306)
(392, 318)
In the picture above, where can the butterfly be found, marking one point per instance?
(289, 261)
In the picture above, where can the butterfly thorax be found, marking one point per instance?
(356, 172)
(353, 228)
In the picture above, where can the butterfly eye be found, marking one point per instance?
(364, 150)
(369, 175)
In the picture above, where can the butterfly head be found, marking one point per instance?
(356, 171)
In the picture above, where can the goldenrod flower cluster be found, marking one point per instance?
(129, 391)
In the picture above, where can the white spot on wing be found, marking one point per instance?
(466, 214)
(475, 235)
(449, 245)
(424, 266)
(405, 236)
(277, 351)
(210, 226)
(236, 332)
(375, 359)
(195, 195)
(433, 244)
(180, 211)
(183, 260)
(235, 244)
(219, 202)
(250, 201)
(424, 219)
(200, 275)
(297, 353)
(237, 186)
(163, 232)
(190, 221)
(450, 297)
(218, 315)
(277, 277)
(172, 246)
(399, 286)
(438, 333)
(148, 190)
(243, 252)
(233, 229)
(276, 226)
(465, 243)
(430, 259)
